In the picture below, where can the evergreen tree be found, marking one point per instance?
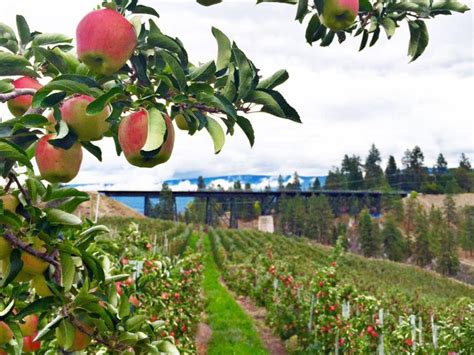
(374, 178)
(316, 185)
(467, 240)
(393, 241)
(369, 241)
(319, 219)
(448, 261)
(392, 173)
(201, 184)
(335, 180)
(422, 252)
(237, 185)
(352, 169)
(295, 185)
(463, 174)
(165, 208)
(281, 183)
(415, 173)
(450, 210)
(441, 164)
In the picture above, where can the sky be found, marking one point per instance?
(347, 99)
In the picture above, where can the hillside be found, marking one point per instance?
(461, 200)
(108, 207)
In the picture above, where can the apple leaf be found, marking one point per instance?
(93, 149)
(23, 30)
(68, 270)
(246, 73)
(45, 39)
(59, 217)
(14, 268)
(302, 10)
(9, 150)
(156, 132)
(224, 51)
(217, 134)
(12, 64)
(275, 104)
(204, 72)
(390, 26)
(273, 81)
(176, 69)
(65, 138)
(146, 10)
(208, 2)
(98, 105)
(247, 128)
(419, 38)
(9, 38)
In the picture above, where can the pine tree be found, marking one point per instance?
(393, 241)
(467, 240)
(392, 173)
(463, 174)
(295, 185)
(335, 180)
(422, 252)
(201, 184)
(316, 185)
(352, 169)
(369, 242)
(450, 210)
(415, 173)
(374, 178)
(448, 261)
(281, 183)
(441, 164)
(165, 208)
(319, 219)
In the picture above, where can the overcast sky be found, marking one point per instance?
(346, 99)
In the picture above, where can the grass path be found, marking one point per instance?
(233, 332)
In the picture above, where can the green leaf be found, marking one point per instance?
(68, 270)
(12, 64)
(68, 86)
(276, 79)
(99, 104)
(419, 38)
(54, 59)
(7, 309)
(450, 5)
(38, 306)
(11, 151)
(14, 267)
(375, 37)
(363, 42)
(156, 132)
(93, 149)
(141, 9)
(390, 26)
(302, 10)
(328, 38)
(8, 35)
(220, 102)
(6, 86)
(217, 134)
(135, 322)
(204, 72)
(11, 219)
(208, 2)
(45, 39)
(224, 51)
(274, 103)
(61, 193)
(124, 307)
(23, 30)
(65, 137)
(246, 73)
(51, 325)
(58, 217)
(247, 128)
(139, 63)
(176, 69)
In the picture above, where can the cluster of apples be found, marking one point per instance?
(105, 42)
(29, 330)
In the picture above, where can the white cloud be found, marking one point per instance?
(347, 100)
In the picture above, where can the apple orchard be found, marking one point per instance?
(127, 81)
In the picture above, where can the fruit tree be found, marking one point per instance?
(125, 80)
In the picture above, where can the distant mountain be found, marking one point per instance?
(258, 182)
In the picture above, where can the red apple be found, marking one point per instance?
(57, 164)
(87, 127)
(134, 300)
(6, 333)
(30, 325)
(30, 346)
(339, 14)
(19, 105)
(105, 41)
(133, 133)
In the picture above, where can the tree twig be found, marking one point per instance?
(20, 187)
(15, 93)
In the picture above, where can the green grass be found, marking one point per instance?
(233, 332)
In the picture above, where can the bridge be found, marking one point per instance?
(267, 199)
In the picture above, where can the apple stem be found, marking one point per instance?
(15, 93)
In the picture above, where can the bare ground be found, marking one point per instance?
(272, 342)
(466, 199)
(203, 336)
(108, 207)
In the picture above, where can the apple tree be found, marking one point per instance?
(128, 81)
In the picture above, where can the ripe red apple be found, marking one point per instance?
(81, 340)
(105, 41)
(339, 14)
(19, 105)
(133, 133)
(134, 300)
(30, 346)
(118, 288)
(57, 164)
(87, 127)
(30, 325)
(6, 333)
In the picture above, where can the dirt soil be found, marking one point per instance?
(203, 336)
(461, 200)
(272, 342)
(108, 207)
